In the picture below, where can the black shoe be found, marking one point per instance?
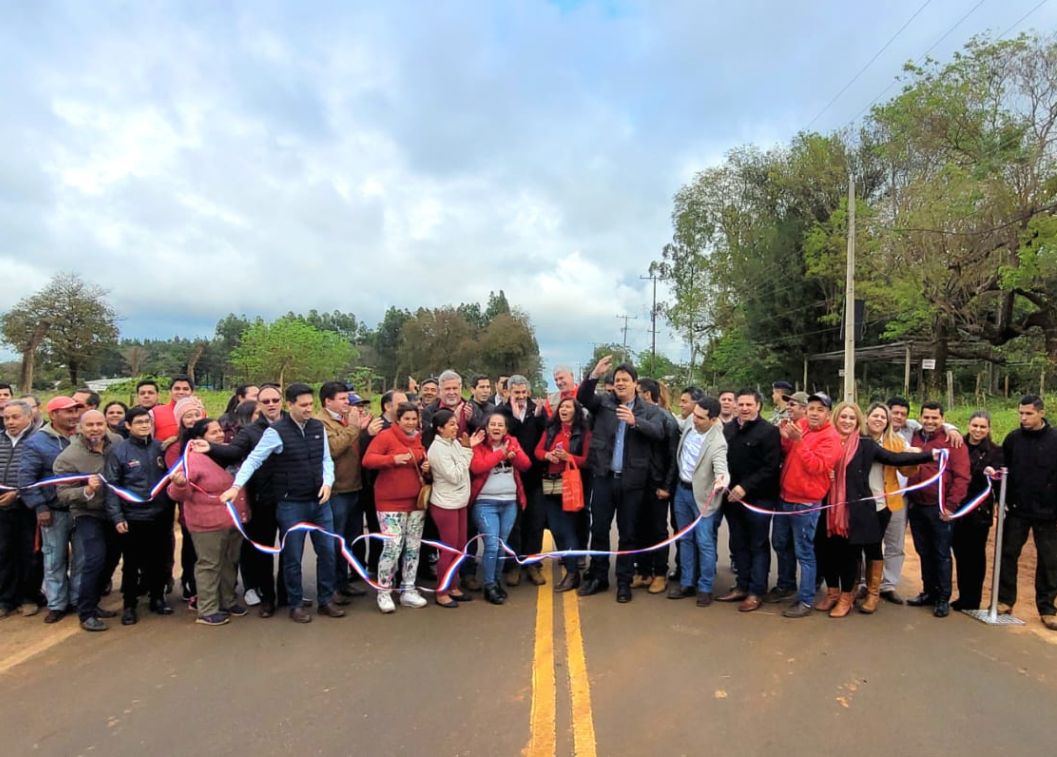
(569, 582)
(129, 617)
(501, 591)
(921, 600)
(93, 624)
(676, 591)
(892, 596)
(956, 604)
(493, 596)
(464, 597)
(101, 613)
(942, 609)
(593, 586)
(54, 616)
(353, 590)
(776, 595)
(623, 593)
(160, 607)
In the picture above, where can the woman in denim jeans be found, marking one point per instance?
(495, 492)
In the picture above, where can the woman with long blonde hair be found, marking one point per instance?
(853, 522)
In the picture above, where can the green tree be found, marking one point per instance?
(290, 349)
(69, 321)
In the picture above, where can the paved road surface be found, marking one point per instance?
(653, 677)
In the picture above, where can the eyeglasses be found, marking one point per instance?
(269, 402)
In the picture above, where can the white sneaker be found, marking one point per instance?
(385, 602)
(411, 598)
(252, 598)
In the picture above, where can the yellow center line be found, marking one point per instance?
(579, 686)
(542, 730)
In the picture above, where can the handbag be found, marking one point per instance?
(552, 486)
(572, 488)
(425, 491)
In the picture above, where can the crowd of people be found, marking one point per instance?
(828, 489)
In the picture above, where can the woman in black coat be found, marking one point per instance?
(855, 524)
(969, 539)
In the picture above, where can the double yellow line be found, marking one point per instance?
(543, 724)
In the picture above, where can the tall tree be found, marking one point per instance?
(290, 349)
(69, 321)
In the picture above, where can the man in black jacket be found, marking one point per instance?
(651, 568)
(1031, 457)
(625, 428)
(754, 456)
(136, 464)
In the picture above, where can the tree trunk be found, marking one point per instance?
(940, 353)
(29, 355)
(73, 369)
(192, 362)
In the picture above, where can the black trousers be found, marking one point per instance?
(653, 525)
(21, 565)
(188, 558)
(258, 568)
(1015, 533)
(526, 537)
(932, 540)
(610, 498)
(750, 541)
(369, 550)
(840, 561)
(97, 541)
(146, 548)
(969, 542)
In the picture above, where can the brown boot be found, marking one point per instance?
(874, 571)
(535, 575)
(844, 604)
(829, 601)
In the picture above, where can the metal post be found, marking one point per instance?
(990, 615)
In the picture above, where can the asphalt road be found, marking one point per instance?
(543, 674)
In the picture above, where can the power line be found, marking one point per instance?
(1020, 20)
(868, 63)
(923, 56)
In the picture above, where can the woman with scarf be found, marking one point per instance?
(496, 492)
(854, 524)
(566, 438)
(400, 459)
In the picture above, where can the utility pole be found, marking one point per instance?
(653, 320)
(625, 330)
(849, 300)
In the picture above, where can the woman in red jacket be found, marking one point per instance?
(565, 438)
(216, 540)
(496, 491)
(398, 456)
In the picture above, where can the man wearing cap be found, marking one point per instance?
(779, 391)
(812, 451)
(428, 391)
(93, 537)
(340, 416)
(53, 517)
(796, 403)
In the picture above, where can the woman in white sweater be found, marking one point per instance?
(449, 462)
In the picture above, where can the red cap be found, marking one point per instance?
(62, 403)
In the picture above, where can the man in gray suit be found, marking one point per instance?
(702, 466)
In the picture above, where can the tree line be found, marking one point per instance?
(67, 333)
(956, 234)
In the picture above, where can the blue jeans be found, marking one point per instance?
(61, 591)
(793, 537)
(750, 540)
(288, 513)
(96, 541)
(697, 553)
(494, 520)
(341, 506)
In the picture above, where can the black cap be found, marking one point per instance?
(782, 385)
(823, 398)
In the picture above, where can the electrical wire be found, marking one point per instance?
(868, 64)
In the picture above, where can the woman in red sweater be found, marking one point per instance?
(216, 540)
(565, 439)
(496, 492)
(398, 456)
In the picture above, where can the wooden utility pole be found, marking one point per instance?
(849, 300)
(653, 322)
(624, 349)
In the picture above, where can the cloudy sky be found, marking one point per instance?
(201, 158)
